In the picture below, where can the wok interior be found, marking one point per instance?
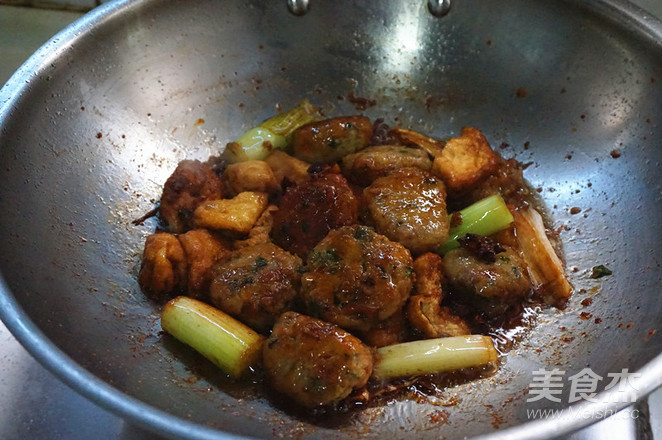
(108, 115)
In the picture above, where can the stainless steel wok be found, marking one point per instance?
(95, 121)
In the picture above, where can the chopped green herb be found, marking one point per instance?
(260, 262)
(362, 232)
(409, 271)
(237, 284)
(328, 259)
(600, 271)
(332, 255)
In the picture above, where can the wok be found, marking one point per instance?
(95, 121)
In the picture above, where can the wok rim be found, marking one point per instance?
(146, 416)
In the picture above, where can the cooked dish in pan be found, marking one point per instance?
(331, 255)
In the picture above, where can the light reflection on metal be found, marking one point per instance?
(439, 8)
(298, 7)
(404, 42)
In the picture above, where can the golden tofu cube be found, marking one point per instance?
(465, 160)
(238, 214)
(429, 271)
(430, 145)
(283, 165)
(251, 175)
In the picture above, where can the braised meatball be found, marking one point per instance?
(202, 250)
(505, 279)
(356, 278)
(409, 206)
(314, 362)
(190, 184)
(363, 167)
(308, 212)
(329, 140)
(164, 267)
(256, 284)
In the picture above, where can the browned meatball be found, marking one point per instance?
(505, 279)
(190, 184)
(356, 278)
(202, 250)
(409, 206)
(256, 284)
(370, 163)
(164, 267)
(313, 362)
(311, 209)
(329, 140)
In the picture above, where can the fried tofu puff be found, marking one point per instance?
(256, 284)
(250, 175)
(465, 161)
(314, 362)
(424, 309)
(163, 270)
(409, 206)
(391, 331)
(202, 250)
(356, 278)
(191, 184)
(432, 320)
(173, 264)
